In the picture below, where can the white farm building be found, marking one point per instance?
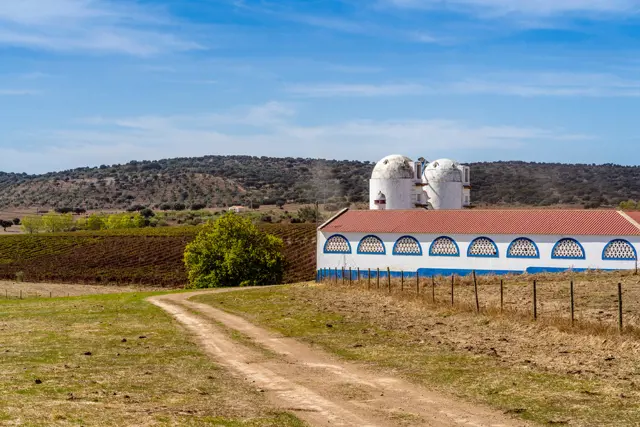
(417, 224)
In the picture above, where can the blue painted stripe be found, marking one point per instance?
(434, 272)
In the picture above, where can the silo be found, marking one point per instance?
(445, 188)
(393, 183)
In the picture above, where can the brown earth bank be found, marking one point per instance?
(151, 257)
(543, 371)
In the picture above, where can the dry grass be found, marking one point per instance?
(114, 360)
(12, 289)
(535, 370)
(595, 297)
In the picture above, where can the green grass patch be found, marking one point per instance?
(114, 360)
(539, 395)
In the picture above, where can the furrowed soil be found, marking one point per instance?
(149, 256)
(540, 371)
(115, 360)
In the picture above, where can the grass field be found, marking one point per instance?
(149, 256)
(536, 371)
(114, 360)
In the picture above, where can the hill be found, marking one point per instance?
(217, 181)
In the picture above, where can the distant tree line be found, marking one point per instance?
(222, 181)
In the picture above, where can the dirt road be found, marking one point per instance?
(314, 385)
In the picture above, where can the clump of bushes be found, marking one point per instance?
(232, 251)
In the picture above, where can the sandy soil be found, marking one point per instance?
(9, 289)
(314, 385)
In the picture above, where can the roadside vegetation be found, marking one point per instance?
(115, 360)
(232, 251)
(533, 370)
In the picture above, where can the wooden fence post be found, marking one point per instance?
(336, 271)
(350, 275)
(343, 275)
(378, 278)
(358, 274)
(620, 325)
(20, 293)
(417, 282)
(369, 280)
(433, 289)
(389, 278)
(402, 281)
(535, 297)
(501, 295)
(452, 283)
(475, 288)
(573, 318)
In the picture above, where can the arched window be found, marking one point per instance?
(444, 246)
(568, 249)
(407, 245)
(483, 247)
(337, 245)
(523, 248)
(371, 245)
(619, 250)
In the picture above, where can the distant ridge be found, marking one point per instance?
(217, 181)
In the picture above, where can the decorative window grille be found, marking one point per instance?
(483, 247)
(619, 250)
(444, 246)
(371, 245)
(568, 249)
(337, 245)
(407, 246)
(523, 248)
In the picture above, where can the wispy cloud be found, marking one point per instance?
(97, 26)
(549, 84)
(18, 92)
(354, 90)
(530, 7)
(268, 129)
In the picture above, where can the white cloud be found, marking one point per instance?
(549, 84)
(528, 7)
(269, 129)
(18, 92)
(97, 26)
(351, 90)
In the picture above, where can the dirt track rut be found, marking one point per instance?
(314, 385)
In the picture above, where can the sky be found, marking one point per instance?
(91, 82)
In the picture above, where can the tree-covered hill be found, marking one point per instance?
(217, 181)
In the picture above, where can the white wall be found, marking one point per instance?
(399, 193)
(593, 247)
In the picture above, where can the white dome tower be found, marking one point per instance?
(445, 184)
(396, 183)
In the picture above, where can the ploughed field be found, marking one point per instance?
(150, 256)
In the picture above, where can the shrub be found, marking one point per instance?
(232, 251)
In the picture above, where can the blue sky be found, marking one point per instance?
(90, 82)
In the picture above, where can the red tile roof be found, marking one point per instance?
(634, 216)
(478, 222)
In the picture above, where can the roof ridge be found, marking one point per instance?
(333, 218)
(628, 218)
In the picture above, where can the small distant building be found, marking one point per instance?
(237, 209)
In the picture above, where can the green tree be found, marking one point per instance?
(308, 214)
(54, 222)
(232, 251)
(96, 222)
(629, 205)
(32, 224)
(5, 224)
